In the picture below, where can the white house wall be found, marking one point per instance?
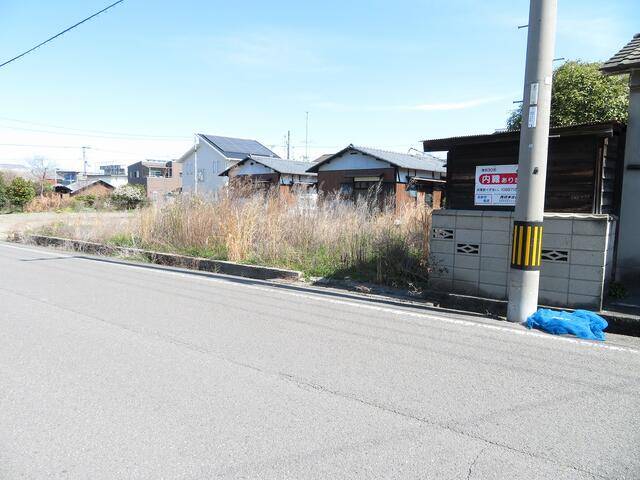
(353, 161)
(406, 174)
(210, 164)
(250, 168)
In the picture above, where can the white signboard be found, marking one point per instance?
(496, 185)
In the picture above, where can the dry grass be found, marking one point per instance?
(334, 239)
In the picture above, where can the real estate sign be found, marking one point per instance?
(496, 185)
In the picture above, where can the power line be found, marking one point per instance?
(120, 134)
(61, 33)
(92, 135)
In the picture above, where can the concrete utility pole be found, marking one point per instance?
(84, 161)
(526, 250)
(195, 164)
(288, 144)
(306, 138)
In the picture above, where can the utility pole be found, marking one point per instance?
(306, 139)
(524, 277)
(195, 164)
(288, 144)
(84, 161)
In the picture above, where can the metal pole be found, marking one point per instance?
(306, 139)
(288, 143)
(195, 164)
(526, 237)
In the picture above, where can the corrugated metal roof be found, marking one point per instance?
(442, 144)
(280, 165)
(626, 59)
(402, 160)
(238, 148)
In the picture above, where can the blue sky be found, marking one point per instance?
(376, 73)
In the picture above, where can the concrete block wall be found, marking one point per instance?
(470, 253)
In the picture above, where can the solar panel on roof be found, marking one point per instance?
(240, 146)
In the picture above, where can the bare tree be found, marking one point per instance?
(41, 168)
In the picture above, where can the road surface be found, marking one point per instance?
(116, 371)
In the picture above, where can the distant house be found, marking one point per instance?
(271, 171)
(215, 154)
(97, 188)
(158, 177)
(356, 171)
(65, 177)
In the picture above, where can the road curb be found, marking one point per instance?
(167, 259)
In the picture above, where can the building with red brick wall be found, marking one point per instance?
(399, 177)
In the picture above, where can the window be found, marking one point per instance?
(155, 172)
(200, 175)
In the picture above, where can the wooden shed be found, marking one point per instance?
(584, 168)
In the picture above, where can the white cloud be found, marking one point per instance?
(425, 107)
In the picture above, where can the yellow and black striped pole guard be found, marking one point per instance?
(526, 248)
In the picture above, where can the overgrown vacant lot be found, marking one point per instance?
(335, 238)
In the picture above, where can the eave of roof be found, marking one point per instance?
(414, 163)
(279, 165)
(626, 59)
(442, 144)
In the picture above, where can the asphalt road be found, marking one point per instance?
(115, 371)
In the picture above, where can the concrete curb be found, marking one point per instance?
(168, 259)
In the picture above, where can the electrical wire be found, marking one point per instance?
(59, 34)
(104, 132)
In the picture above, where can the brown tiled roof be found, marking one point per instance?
(626, 59)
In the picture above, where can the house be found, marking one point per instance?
(214, 155)
(158, 177)
(354, 171)
(97, 188)
(65, 177)
(627, 61)
(266, 172)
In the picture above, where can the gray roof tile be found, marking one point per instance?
(280, 165)
(402, 160)
(626, 59)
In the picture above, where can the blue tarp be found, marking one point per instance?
(581, 323)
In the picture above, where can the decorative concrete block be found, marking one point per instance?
(494, 278)
(488, 290)
(466, 274)
(552, 299)
(469, 222)
(558, 225)
(441, 246)
(585, 287)
(552, 269)
(556, 240)
(588, 242)
(467, 261)
(465, 288)
(554, 284)
(588, 302)
(464, 235)
(494, 264)
(590, 227)
(584, 272)
(586, 257)
(495, 251)
(440, 220)
(496, 223)
(469, 213)
(496, 237)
